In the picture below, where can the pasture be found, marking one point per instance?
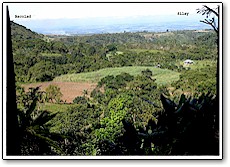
(162, 76)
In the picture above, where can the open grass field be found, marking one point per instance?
(73, 85)
(162, 76)
(53, 107)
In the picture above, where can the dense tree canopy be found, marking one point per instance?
(77, 54)
(124, 114)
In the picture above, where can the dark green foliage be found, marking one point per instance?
(123, 115)
(115, 82)
(77, 122)
(53, 93)
(198, 81)
(194, 126)
(42, 71)
(22, 65)
(89, 53)
(97, 94)
(55, 59)
(80, 100)
(147, 73)
(111, 48)
(34, 134)
(188, 128)
(58, 47)
(141, 88)
(21, 32)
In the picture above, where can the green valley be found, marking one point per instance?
(128, 93)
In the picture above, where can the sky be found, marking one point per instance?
(61, 17)
(91, 10)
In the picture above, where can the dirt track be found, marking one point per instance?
(70, 90)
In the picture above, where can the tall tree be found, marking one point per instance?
(12, 128)
(212, 19)
(214, 14)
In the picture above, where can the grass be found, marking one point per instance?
(53, 107)
(119, 52)
(108, 55)
(162, 76)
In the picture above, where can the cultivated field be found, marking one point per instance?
(162, 76)
(70, 90)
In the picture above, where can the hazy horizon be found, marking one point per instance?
(91, 18)
(113, 25)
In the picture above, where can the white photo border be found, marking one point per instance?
(3, 61)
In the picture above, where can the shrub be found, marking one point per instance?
(53, 93)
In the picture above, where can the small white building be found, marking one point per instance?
(188, 61)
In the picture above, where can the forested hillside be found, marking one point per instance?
(143, 100)
(61, 55)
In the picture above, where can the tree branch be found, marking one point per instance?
(210, 23)
(211, 10)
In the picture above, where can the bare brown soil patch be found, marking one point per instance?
(70, 90)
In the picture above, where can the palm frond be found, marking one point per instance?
(43, 118)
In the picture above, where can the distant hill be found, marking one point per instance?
(26, 42)
(20, 32)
